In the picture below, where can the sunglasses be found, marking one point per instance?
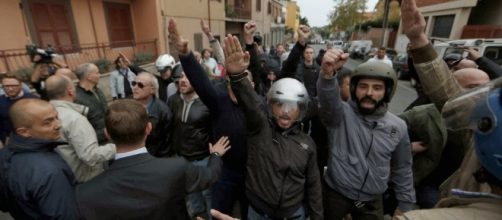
(453, 63)
(139, 84)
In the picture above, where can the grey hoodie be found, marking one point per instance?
(365, 150)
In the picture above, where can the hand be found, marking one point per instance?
(472, 54)
(332, 60)
(413, 24)
(303, 34)
(397, 213)
(124, 59)
(249, 30)
(236, 61)
(418, 147)
(221, 146)
(206, 30)
(218, 215)
(180, 43)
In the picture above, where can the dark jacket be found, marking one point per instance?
(282, 171)
(5, 123)
(190, 136)
(160, 116)
(163, 83)
(96, 102)
(491, 68)
(227, 119)
(39, 184)
(308, 76)
(145, 187)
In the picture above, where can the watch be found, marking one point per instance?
(216, 154)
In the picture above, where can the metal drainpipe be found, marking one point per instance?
(93, 26)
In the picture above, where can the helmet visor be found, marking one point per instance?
(471, 110)
(285, 109)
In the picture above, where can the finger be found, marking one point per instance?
(202, 23)
(247, 58)
(233, 46)
(217, 214)
(238, 47)
(226, 47)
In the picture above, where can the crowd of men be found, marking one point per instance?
(282, 134)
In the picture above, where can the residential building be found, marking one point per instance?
(458, 19)
(292, 15)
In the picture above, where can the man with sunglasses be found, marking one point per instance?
(144, 88)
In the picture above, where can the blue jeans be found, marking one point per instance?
(298, 215)
(229, 189)
(199, 202)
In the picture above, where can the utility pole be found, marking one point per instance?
(383, 39)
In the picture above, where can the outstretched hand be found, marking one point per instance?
(180, 43)
(413, 24)
(236, 60)
(249, 30)
(303, 34)
(205, 28)
(221, 146)
(333, 60)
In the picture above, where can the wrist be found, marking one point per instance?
(216, 154)
(418, 42)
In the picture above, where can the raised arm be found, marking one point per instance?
(437, 81)
(213, 42)
(328, 91)
(254, 66)
(289, 66)
(193, 69)
(236, 63)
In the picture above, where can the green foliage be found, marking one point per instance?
(143, 58)
(102, 64)
(346, 13)
(304, 21)
(323, 31)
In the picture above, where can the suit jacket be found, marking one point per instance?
(145, 187)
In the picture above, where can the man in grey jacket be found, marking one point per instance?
(368, 145)
(82, 153)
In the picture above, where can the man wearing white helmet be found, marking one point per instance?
(368, 146)
(282, 180)
(164, 64)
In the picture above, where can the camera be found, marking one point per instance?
(45, 55)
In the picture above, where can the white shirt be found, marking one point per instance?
(131, 153)
(385, 60)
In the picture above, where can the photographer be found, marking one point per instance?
(44, 66)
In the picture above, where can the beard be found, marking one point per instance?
(368, 111)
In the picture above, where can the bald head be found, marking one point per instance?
(471, 77)
(66, 72)
(59, 87)
(464, 63)
(22, 112)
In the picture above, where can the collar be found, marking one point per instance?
(19, 96)
(194, 97)
(131, 153)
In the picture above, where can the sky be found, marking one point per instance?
(317, 11)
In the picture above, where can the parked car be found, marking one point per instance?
(491, 48)
(400, 63)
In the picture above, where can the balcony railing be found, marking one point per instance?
(74, 55)
(237, 12)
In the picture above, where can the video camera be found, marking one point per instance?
(257, 39)
(45, 55)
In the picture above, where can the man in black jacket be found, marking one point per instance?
(90, 95)
(35, 183)
(137, 185)
(282, 178)
(145, 86)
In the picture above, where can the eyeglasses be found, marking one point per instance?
(139, 84)
(11, 86)
(453, 63)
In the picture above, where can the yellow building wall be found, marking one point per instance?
(292, 15)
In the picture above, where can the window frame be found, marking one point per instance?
(116, 44)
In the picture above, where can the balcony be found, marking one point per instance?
(236, 12)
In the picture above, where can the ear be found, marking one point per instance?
(107, 135)
(148, 128)
(24, 132)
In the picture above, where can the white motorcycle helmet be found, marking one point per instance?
(163, 62)
(291, 94)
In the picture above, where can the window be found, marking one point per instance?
(119, 23)
(258, 5)
(269, 8)
(52, 24)
(197, 39)
(442, 26)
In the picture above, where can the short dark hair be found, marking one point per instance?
(342, 74)
(12, 76)
(383, 48)
(126, 121)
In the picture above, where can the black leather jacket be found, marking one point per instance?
(190, 131)
(160, 116)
